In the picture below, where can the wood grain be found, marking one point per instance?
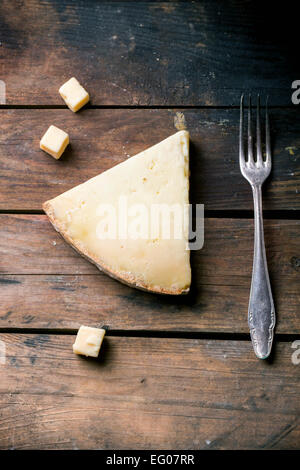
(146, 393)
(147, 53)
(102, 138)
(143, 392)
(46, 284)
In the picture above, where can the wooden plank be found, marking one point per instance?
(147, 53)
(46, 284)
(146, 393)
(101, 138)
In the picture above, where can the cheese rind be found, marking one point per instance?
(158, 175)
(88, 341)
(54, 141)
(74, 95)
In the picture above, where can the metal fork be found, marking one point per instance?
(261, 312)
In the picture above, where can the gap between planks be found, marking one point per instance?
(208, 214)
(216, 336)
(117, 106)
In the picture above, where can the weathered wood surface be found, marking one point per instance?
(147, 393)
(102, 138)
(46, 284)
(147, 53)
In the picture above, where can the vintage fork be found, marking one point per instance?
(261, 312)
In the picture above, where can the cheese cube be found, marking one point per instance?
(74, 95)
(54, 142)
(88, 341)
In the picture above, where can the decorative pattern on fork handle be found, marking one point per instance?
(261, 312)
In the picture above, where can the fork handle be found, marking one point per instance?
(261, 312)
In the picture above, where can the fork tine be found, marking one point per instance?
(259, 158)
(268, 138)
(241, 146)
(250, 138)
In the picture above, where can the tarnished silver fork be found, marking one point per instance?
(261, 312)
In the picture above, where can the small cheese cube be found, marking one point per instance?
(74, 94)
(54, 142)
(88, 341)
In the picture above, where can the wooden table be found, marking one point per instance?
(174, 372)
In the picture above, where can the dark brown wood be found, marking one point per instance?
(143, 392)
(102, 138)
(153, 393)
(46, 284)
(147, 53)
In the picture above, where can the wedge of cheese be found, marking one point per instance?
(128, 195)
